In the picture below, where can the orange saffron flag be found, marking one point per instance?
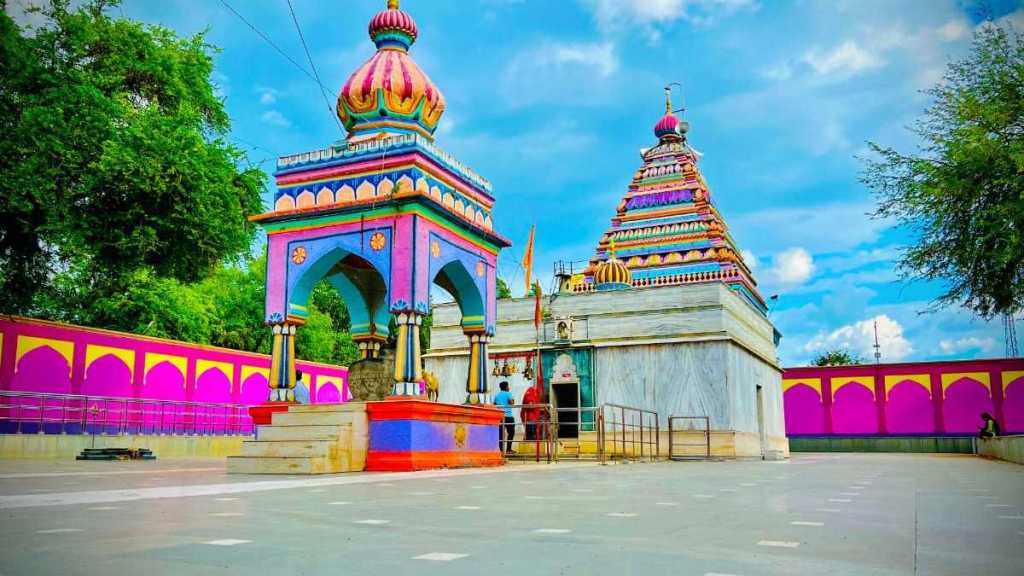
(528, 259)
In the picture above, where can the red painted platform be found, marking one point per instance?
(262, 413)
(410, 433)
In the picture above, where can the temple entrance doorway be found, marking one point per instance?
(566, 398)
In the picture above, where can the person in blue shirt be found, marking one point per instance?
(505, 399)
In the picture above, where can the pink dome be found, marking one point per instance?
(667, 125)
(393, 25)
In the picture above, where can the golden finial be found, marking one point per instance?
(668, 100)
(392, 4)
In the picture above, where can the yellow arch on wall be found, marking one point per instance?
(336, 380)
(324, 197)
(178, 362)
(1, 348)
(225, 368)
(94, 352)
(250, 370)
(865, 381)
(980, 377)
(26, 344)
(422, 187)
(385, 187)
(404, 184)
(923, 380)
(345, 194)
(285, 202)
(365, 190)
(305, 200)
(814, 383)
(1007, 377)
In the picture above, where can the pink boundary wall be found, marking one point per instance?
(41, 356)
(918, 398)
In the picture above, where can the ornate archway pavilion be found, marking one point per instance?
(381, 216)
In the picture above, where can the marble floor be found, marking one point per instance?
(814, 514)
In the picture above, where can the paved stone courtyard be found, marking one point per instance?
(814, 514)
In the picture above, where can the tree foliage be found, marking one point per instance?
(836, 357)
(113, 158)
(503, 291)
(962, 193)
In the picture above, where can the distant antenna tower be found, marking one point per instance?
(877, 347)
(1010, 335)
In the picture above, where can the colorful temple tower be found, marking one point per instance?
(666, 229)
(381, 216)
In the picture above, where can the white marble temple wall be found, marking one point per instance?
(746, 372)
(674, 379)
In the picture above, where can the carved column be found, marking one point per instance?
(408, 366)
(282, 364)
(369, 346)
(476, 382)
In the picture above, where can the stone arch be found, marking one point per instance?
(454, 277)
(305, 200)
(108, 375)
(854, 410)
(964, 401)
(909, 410)
(1013, 406)
(804, 411)
(361, 284)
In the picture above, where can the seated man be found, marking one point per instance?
(990, 428)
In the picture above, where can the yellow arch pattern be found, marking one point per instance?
(94, 352)
(178, 362)
(980, 377)
(814, 383)
(865, 381)
(226, 368)
(26, 344)
(250, 370)
(1, 348)
(1008, 377)
(336, 380)
(923, 380)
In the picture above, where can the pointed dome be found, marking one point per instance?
(612, 274)
(390, 93)
(669, 127)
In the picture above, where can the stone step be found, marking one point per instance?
(281, 465)
(332, 432)
(321, 408)
(296, 448)
(317, 418)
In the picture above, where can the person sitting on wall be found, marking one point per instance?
(990, 428)
(530, 416)
(301, 389)
(506, 400)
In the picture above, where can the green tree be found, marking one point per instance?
(503, 290)
(962, 193)
(836, 357)
(113, 159)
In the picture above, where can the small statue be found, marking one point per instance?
(432, 386)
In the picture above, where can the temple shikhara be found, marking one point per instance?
(666, 315)
(666, 230)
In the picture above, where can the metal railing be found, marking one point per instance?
(689, 437)
(628, 433)
(46, 413)
(533, 437)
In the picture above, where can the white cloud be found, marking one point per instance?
(986, 344)
(953, 30)
(749, 258)
(844, 60)
(446, 125)
(859, 338)
(831, 227)
(555, 70)
(275, 118)
(793, 266)
(268, 98)
(647, 14)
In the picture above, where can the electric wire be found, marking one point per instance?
(316, 75)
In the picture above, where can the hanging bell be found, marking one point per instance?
(497, 370)
(505, 371)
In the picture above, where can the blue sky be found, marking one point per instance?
(552, 101)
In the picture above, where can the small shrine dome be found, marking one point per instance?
(390, 93)
(669, 127)
(612, 274)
